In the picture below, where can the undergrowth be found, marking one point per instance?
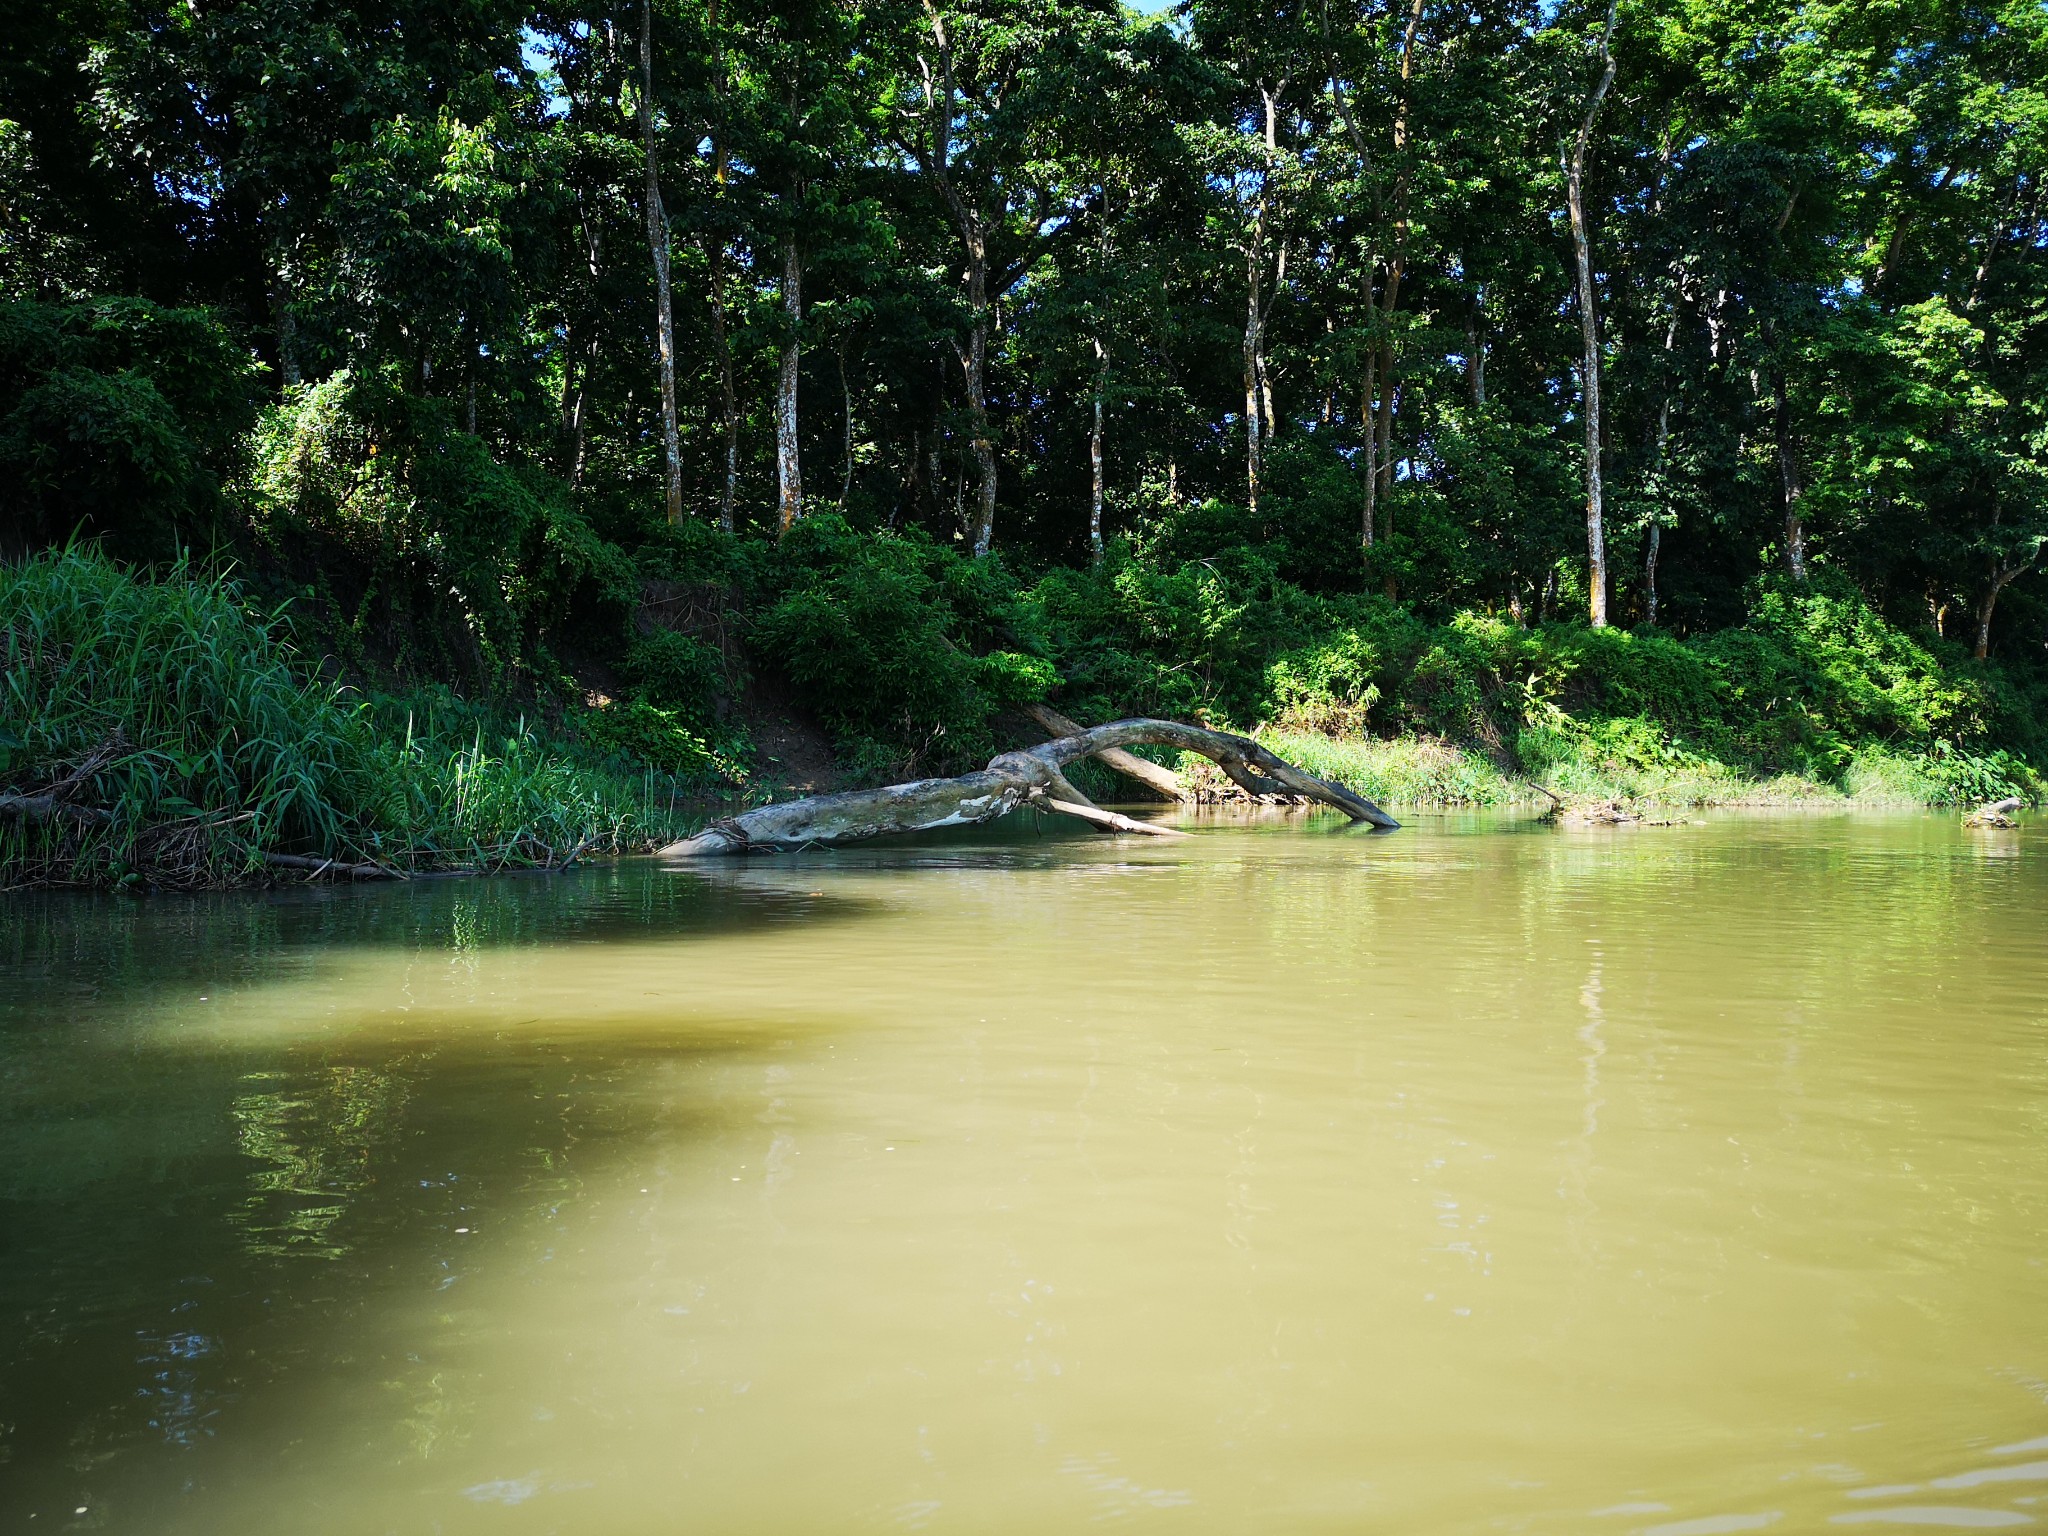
(161, 732)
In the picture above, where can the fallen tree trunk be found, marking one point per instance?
(1036, 774)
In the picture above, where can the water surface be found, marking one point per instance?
(1481, 1177)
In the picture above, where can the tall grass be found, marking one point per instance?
(160, 731)
(1419, 770)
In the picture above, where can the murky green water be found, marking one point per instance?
(1476, 1178)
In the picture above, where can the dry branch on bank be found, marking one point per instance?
(1034, 775)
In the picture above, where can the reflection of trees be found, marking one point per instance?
(314, 1135)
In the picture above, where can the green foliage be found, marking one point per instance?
(1810, 687)
(1414, 770)
(1011, 677)
(194, 740)
(1327, 686)
(470, 564)
(874, 631)
(638, 731)
(421, 235)
(118, 418)
(677, 672)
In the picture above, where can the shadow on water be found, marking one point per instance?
(201, 1242)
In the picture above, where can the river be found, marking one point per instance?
(1481, 1177)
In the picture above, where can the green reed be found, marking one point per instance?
(162, 731)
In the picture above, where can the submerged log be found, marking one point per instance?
(1036, 774)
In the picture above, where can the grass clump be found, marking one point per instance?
(160, 732)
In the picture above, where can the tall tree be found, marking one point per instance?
(1589, 326)
(658, 247)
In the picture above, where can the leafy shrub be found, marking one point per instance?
(677, 672)
(1815, 678)
(1011, 677)
(879, 635)
(468, 564)
(1325, 687)
(638, 731)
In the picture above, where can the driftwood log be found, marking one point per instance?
(1036, 775)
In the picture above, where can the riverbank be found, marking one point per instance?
(165, 729)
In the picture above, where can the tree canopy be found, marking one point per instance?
(1036, 277)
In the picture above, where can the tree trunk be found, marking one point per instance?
(2002, 576)
(572, 391)
(284, 322)
(974, 365)
(1009, 781)
(1589, 325)
(729, 398)
(1095, 454)
(575, 401)
(1386, 432)
(1788, 474)
(1163, 782)
(1252, 414)
(1372, 442)
(1475, 348)
(846, 396)
(935, 156)
(1256, 396)
(657, 242)
(788, 475)
(1265, 366)
(1377, 408)
(1656, 539)
(721, 341)
(1651, 548)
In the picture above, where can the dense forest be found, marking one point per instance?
(1656, 386)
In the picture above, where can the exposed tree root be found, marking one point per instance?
(1010, 780)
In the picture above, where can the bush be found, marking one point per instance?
(468, 565)
(1815, 682)
(880, 633)
(1325, 687)
(639, 732)
(677, 672)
